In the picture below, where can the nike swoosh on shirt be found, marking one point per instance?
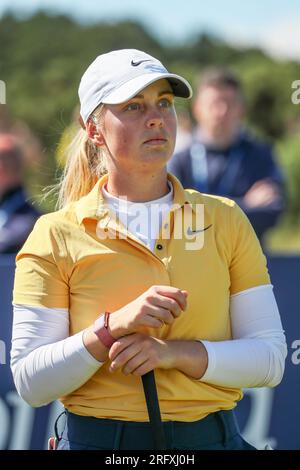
(135, 64)
(191, 232)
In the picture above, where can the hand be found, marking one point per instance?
(137, 354)
(261, 194)
(156, 306)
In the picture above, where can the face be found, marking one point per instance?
(140, 134)
(219, 110)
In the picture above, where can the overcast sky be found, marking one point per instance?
(273, 25)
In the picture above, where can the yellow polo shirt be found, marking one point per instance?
(72, 260)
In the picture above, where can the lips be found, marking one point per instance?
(156, 140)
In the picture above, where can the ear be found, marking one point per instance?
(94, 133)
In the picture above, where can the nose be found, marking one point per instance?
(155, 120)
(222, 109)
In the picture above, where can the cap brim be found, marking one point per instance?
(128, 90)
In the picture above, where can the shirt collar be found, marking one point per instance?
(93, 206)
(120, 204)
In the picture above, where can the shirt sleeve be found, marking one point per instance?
(248, 265)
(41, 276)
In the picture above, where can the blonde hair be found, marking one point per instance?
(85, 164)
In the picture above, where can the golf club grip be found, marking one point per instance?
(150, 392)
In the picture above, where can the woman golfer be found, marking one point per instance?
(135, 274)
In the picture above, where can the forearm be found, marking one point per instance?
(190, 357)
(46, 363)
(245, 362)
(256, 355)
(94, 345)
(234, 363)
(54, 370)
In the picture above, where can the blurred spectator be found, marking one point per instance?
(184, 130)
(225, 159)
(17, 216)
(30, 144)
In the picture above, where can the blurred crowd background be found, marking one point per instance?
(42, 57)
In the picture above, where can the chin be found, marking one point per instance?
(155, 161)
(158, 155)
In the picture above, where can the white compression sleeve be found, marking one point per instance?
(46, 363)
(255, 356)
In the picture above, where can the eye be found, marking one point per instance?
(133, 107)
(165, 103)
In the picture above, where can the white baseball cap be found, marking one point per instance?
(117, 76)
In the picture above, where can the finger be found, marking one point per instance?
(143, 368)
(267, 201)
(260, 184)
(121, 344)
(180, 299)
(134, 363)
(166, 316)
(272, 192)
(269, 185)
(158, 314)
(174, 293)
(125, 356)
(168, 304)
(153, 321)
(263, 199)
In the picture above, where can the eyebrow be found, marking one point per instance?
(165, 92)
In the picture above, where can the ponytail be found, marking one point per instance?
(85, 164)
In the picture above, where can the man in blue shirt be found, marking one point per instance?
(225, 159)
(17, 215)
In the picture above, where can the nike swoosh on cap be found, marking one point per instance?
(191, 232)
(135, 64)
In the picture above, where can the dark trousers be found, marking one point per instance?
(218, 431)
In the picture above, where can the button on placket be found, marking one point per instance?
(102, 228)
